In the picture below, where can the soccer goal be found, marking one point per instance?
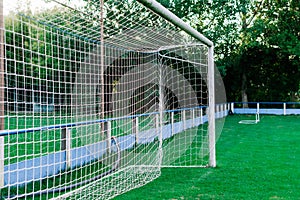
(97, 96)
(251, 121)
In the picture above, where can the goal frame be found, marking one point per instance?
(172, 18)
(2, 114)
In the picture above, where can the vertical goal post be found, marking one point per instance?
(2, 122)
(95, 99)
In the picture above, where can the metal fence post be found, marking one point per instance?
(66, 145)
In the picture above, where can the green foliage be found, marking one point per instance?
(241, 28)
(40, 57)
(271, 75)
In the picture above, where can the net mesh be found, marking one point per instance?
(98, 97)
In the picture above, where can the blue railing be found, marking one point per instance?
(17, 174)
(97, 121)
(51, 164)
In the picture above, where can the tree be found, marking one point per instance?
(274, 36)
(242, 28)
(41, 59)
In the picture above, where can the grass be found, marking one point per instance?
(258, 161)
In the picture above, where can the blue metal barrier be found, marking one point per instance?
(17, 174)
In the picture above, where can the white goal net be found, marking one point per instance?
(97, 96)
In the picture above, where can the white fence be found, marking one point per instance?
(268, 108)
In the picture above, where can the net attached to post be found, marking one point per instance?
(98, 97)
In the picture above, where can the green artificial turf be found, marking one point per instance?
(259, 161)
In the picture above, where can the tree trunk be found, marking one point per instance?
(244, 91)
(293, 99)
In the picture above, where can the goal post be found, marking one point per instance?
(165, 13)
(2, 112)
(168, 15)
(211, 106)
(97, 96)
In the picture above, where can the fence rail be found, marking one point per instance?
(18, 173)
(53, 163)
(268, 108)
